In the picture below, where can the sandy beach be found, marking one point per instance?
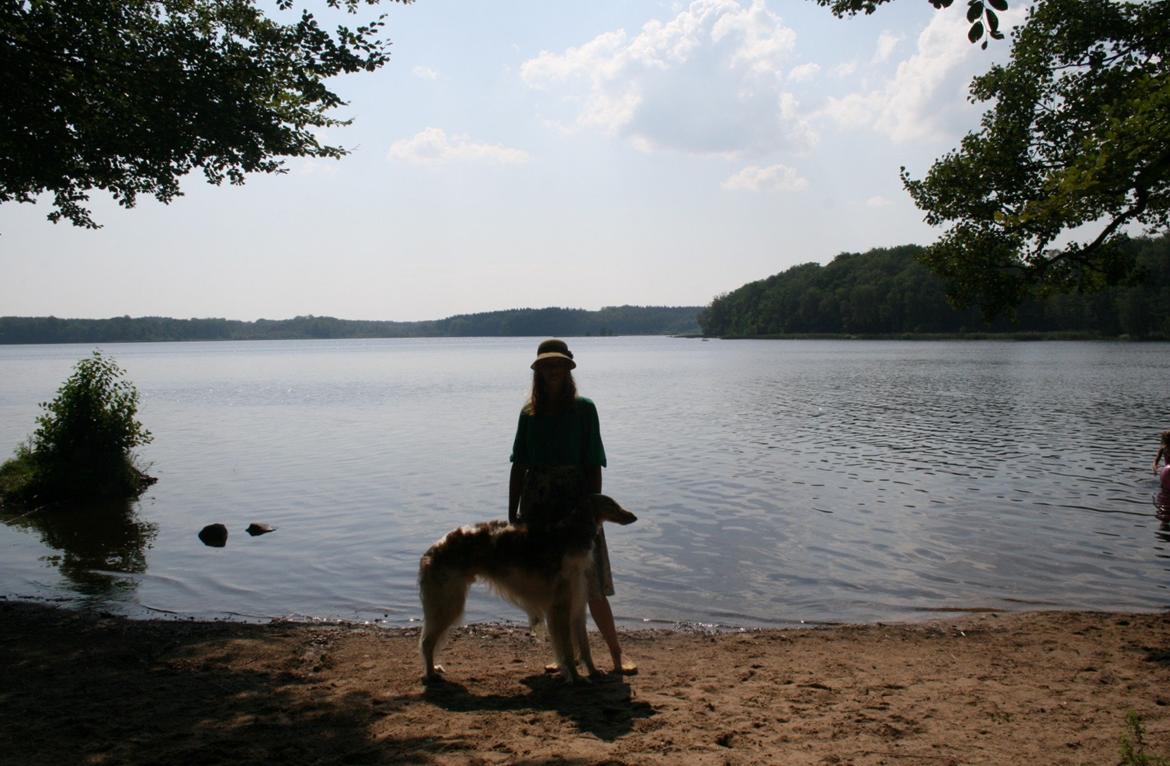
(994, 688)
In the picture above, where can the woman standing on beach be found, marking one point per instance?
(557, 457)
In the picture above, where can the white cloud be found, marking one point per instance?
(551, 68)
(433, 146)
(424, 73)
(878, 201)
(704, 82)
(761, 40)
(317, 167)
(926, 97)
(853, 111)
(886, 44)
(803, 72)
(771, 178)
(845, 70)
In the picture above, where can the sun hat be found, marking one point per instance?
(553, 348)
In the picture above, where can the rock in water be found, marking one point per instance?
(214, 535)
(259, 529)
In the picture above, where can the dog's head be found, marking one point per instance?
(605, 508)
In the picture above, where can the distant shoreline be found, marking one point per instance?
(544, 322)
(354, 337)
(1018, 336)
(672, 321)
(908, 337)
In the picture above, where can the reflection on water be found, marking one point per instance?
(92, 546)
(775, 482)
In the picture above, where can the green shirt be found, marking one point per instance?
(572, 437)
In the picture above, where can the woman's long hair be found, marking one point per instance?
(541, 401)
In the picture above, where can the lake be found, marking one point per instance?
(777, 483)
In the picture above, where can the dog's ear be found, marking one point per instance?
(609, 510)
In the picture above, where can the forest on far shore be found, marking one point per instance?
(612, 320)
(883, 292)
(887, 291)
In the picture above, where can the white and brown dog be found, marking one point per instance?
(541, 570)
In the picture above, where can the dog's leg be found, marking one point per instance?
(580, 633)
(581, 639)
(442, 602)
(560, 630)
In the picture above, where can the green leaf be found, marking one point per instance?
(993, 24)
(974, 10)
(975, 32)
(999, 5)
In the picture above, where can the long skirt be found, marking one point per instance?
(549, 492)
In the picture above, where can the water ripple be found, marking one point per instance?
(776, 483)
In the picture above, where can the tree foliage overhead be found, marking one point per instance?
(128, 96)
(983, 15)
(1072, 153)
(1078, 135)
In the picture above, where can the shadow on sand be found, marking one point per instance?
(90, 688)
(604, 708)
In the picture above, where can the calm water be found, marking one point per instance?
(775, 482)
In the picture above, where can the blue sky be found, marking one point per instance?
(530, 154)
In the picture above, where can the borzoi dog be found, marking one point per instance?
(541, 570)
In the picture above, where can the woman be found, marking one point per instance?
(557, 457)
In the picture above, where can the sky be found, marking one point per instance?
(523, 153)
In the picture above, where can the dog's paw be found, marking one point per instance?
(434, 677)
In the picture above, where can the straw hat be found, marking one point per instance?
(553, 348)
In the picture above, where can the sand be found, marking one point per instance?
(995, 688)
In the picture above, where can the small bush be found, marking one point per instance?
(1133, 744)
(82, 447)
(17, 476)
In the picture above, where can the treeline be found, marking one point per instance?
(612, 320)
(887, 291)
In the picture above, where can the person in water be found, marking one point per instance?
(557, 457)
(1163, 498)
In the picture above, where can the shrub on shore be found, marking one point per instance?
(83, 446)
